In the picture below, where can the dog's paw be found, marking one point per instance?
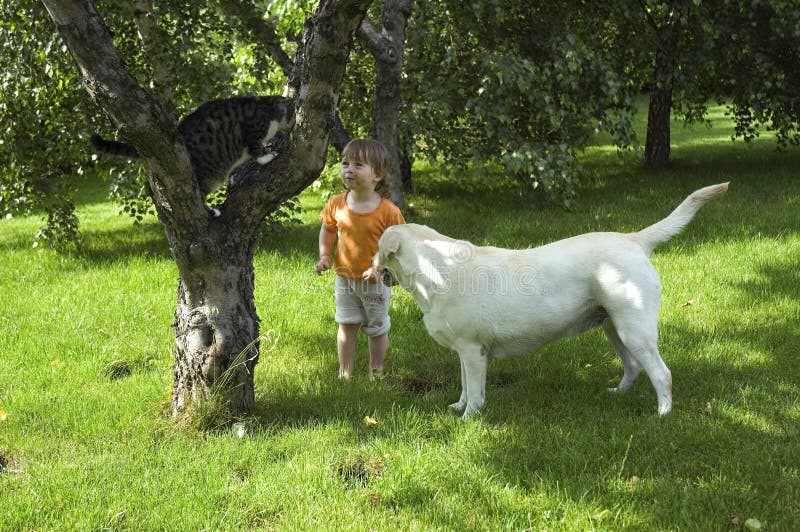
(459, 406)
(469, 413)
(622, 388)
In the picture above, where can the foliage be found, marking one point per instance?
(764, 82)
(61, 231)
(742, 53)
(44, 112)
(508, 84)
(128, 189)
(515, 84)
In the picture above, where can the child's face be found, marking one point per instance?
(359, 176)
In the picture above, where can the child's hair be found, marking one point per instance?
(372, 152)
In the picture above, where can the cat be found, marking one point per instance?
(220, 135)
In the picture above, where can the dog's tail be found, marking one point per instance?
(658, 233)
(113, 147)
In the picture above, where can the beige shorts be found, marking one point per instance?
(364, 303)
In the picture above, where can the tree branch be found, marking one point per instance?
(268, 38)
(316, 79)
(379, 46)
(264, 32)
(155, 42)
(141, 122)
(650, 20)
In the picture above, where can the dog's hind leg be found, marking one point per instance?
(660, 377)
(473, 364)
(462, 401)
(641, 338)
(631, 366)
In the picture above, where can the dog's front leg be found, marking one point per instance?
(462, 401)
(473, 364)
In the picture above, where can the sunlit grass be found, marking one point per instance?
(86, 372)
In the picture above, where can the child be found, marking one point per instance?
(355, 220)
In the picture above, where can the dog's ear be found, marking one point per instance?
(389, 243)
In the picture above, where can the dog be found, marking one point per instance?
(488, 301)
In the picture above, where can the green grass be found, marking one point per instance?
(85, 445)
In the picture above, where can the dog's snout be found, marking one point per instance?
(386, 277)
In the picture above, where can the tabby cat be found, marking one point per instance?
(222, 134)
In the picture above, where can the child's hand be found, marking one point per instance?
(370, 275)
(323, 265)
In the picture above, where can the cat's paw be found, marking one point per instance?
(267, 157)
(278, 142)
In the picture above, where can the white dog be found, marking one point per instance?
(487, 301)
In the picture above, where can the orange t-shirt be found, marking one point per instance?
(358, 233)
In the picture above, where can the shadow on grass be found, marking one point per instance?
(776, 280)
(728, 447)
(414, 379)
(118, 245)
(147, 239)
(553, 435)
(605, 452)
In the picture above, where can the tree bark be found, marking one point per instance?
(657, 144)
(387, 47)
(216, 324)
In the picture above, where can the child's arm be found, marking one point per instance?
(327, 236)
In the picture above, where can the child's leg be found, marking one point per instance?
(349, 316)
(377, 325)
(346, 344)
(377, 352)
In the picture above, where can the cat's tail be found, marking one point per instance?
(113, 147)
(658, 233)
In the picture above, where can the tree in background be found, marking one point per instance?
(763, 79)
(517, 85)
(686, 54)
(386, 44)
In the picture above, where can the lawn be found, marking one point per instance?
(85, 376)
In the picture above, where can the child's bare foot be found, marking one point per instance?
(375, 374)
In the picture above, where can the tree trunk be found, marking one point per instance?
(405, 171)
(657, 145)
(216, 325)
(216, 338)
(387, 47)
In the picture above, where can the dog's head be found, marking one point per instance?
(384, 261)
